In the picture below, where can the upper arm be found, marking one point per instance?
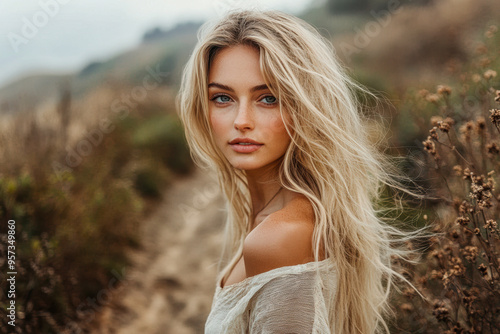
(282, 239)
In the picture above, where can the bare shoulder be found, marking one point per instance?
(284, 238)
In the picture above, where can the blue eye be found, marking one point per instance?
(269, 99)
(221, 99)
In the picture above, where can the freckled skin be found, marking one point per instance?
(281, 234)
(245, 113)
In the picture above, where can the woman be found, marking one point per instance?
(267, 106)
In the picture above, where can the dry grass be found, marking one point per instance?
(75, 220)
(460, 274)
(420, 43)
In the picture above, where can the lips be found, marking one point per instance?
(245, 145)
(244, 141)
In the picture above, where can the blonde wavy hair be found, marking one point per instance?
(330, 160)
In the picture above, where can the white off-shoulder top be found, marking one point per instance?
(293, 299)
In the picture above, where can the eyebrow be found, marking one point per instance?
(221, 86)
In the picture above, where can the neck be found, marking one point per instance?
(263, 184)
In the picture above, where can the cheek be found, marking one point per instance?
(219, 127)
(277, 127)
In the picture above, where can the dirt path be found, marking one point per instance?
(171, 285)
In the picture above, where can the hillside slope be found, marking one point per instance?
(166, 51)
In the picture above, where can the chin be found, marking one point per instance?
(251, 163)
(246, 165)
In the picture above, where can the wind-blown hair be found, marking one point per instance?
(330, 159)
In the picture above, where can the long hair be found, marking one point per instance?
(330, 159)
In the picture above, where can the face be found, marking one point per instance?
(245, 116)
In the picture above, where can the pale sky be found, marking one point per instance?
(64, 35)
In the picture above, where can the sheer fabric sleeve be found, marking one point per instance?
(284, 305)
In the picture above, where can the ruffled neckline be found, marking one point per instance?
(298, 268)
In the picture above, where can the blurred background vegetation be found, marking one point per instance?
(85, 156)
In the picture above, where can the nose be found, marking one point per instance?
(244, 119)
